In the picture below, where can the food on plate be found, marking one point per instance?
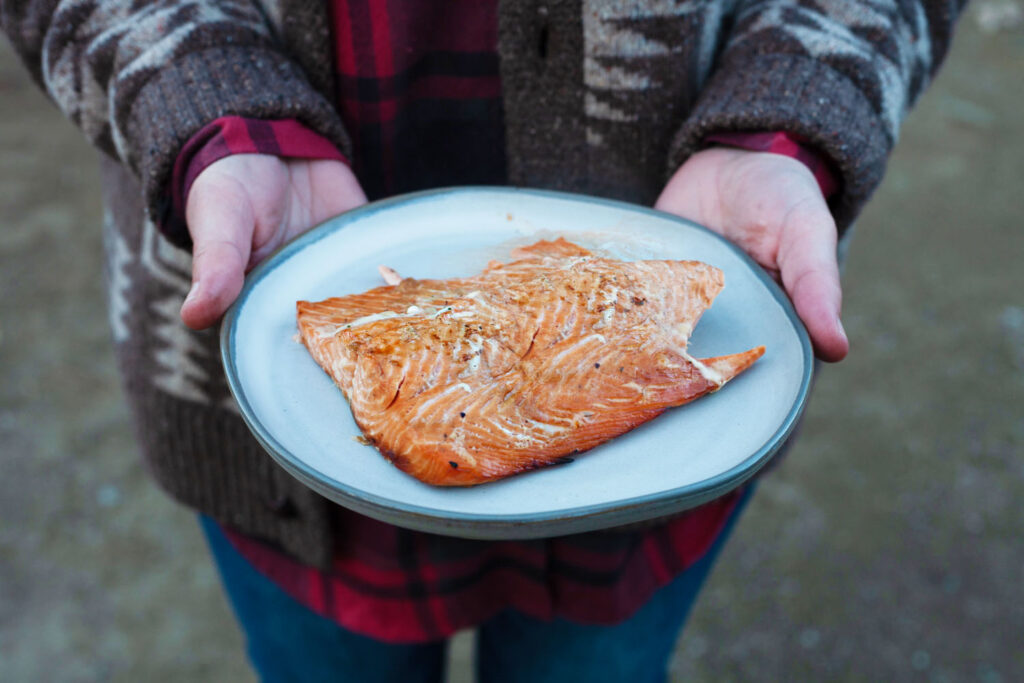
(468, 380)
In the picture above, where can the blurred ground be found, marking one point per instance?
(886, 548)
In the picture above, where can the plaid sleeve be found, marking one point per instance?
(237, 135)
(785, 144)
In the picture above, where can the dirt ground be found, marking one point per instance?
(887, 547)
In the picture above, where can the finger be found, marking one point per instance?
(221, 222)
(337, 189)
(810, 274)
(817, 304)
(218, 274)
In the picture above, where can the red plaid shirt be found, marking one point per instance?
(420, 92)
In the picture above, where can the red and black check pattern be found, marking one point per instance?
(419, 91)
(420, 94)
(405, 586)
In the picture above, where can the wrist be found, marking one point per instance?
(234, 135)
(783, 144)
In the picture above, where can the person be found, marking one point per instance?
(228, 128)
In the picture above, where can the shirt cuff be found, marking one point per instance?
(237, 135)
(786, 144)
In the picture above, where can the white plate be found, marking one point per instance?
(687, 456)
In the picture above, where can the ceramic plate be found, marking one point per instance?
(687, 456)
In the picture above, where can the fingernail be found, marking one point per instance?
(192, 292)
(841, 329)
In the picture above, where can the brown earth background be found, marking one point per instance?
(889, 546)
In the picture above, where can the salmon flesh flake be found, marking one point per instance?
(464, 381)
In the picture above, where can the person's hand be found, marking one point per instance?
(244, 206)
(771, 206)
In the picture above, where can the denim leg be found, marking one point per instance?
(515, 648)
(288, 642)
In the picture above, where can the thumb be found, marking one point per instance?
(809, 270)
(221, 220)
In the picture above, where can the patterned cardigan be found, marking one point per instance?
(605, 97)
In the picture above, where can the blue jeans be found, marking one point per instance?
(288, 642)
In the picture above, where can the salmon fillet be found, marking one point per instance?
(463, 381)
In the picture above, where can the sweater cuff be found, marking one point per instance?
(801, 96)
(784, 144)
(236, 135)
(178, 101)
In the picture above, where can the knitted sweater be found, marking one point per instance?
(601, 97)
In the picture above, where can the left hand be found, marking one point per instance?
(771, 206)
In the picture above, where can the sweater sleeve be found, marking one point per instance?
(838, 74)
(140, 79)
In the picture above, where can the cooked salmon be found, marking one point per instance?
(463, 381)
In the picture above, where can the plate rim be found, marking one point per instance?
(504, 525)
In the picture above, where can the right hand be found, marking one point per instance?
(243, 207)
(772, 207)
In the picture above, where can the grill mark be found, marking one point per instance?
(395, 397)
(533, 339)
